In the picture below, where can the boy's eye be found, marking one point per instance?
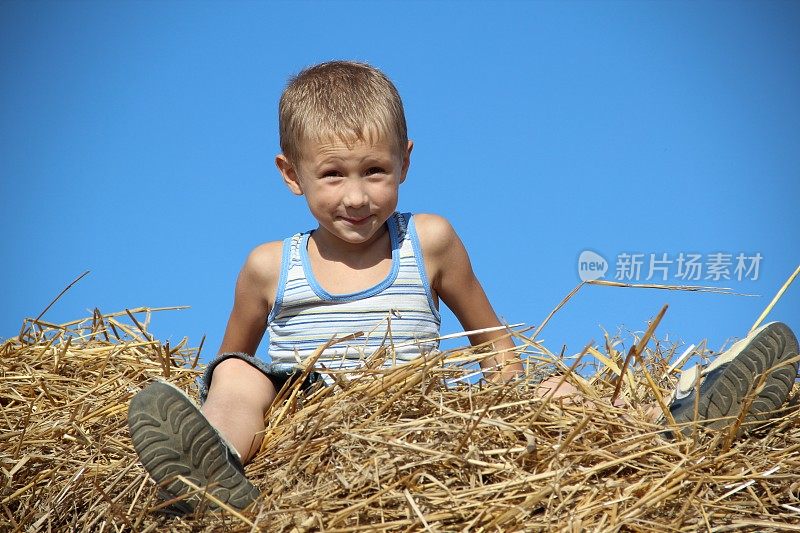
(331, 174)
(375, 170)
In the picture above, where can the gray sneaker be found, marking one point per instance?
(728, 382)
(172, 437)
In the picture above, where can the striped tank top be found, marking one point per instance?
(398, 312)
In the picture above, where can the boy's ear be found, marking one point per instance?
(406, 161)
(289, 174)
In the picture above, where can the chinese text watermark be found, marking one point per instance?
(681, 266)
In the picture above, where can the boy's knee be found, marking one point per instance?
(556, 387)
(237, 380)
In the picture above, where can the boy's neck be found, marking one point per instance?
(355, 255)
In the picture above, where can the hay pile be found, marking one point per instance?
(402, 450)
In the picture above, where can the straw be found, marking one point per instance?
(775, 299)
(401, 449)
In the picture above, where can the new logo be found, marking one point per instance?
(591, 266)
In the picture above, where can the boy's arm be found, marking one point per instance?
(452, 279)
(255, 293)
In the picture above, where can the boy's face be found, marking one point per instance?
(350, 190)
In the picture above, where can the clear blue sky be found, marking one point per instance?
(137, 141)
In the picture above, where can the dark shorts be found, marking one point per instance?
(278, 373)
(542, 372)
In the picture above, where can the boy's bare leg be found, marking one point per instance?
(757, 373)
(555, 387)
(175, 440)
(237, 400)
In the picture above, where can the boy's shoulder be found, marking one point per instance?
(438, 240)
(264, 261)
(446, 260)
(434, 231)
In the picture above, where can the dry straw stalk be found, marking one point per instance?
(405, 449)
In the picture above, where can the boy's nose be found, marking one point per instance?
(355, 196)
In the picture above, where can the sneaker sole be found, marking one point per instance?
(172, 437)
(723, 390)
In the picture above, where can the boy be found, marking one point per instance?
(365, 268)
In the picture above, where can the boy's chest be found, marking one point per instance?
(340, 278)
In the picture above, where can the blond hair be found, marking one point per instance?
(340, 99)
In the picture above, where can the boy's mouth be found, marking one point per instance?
(356, 221)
